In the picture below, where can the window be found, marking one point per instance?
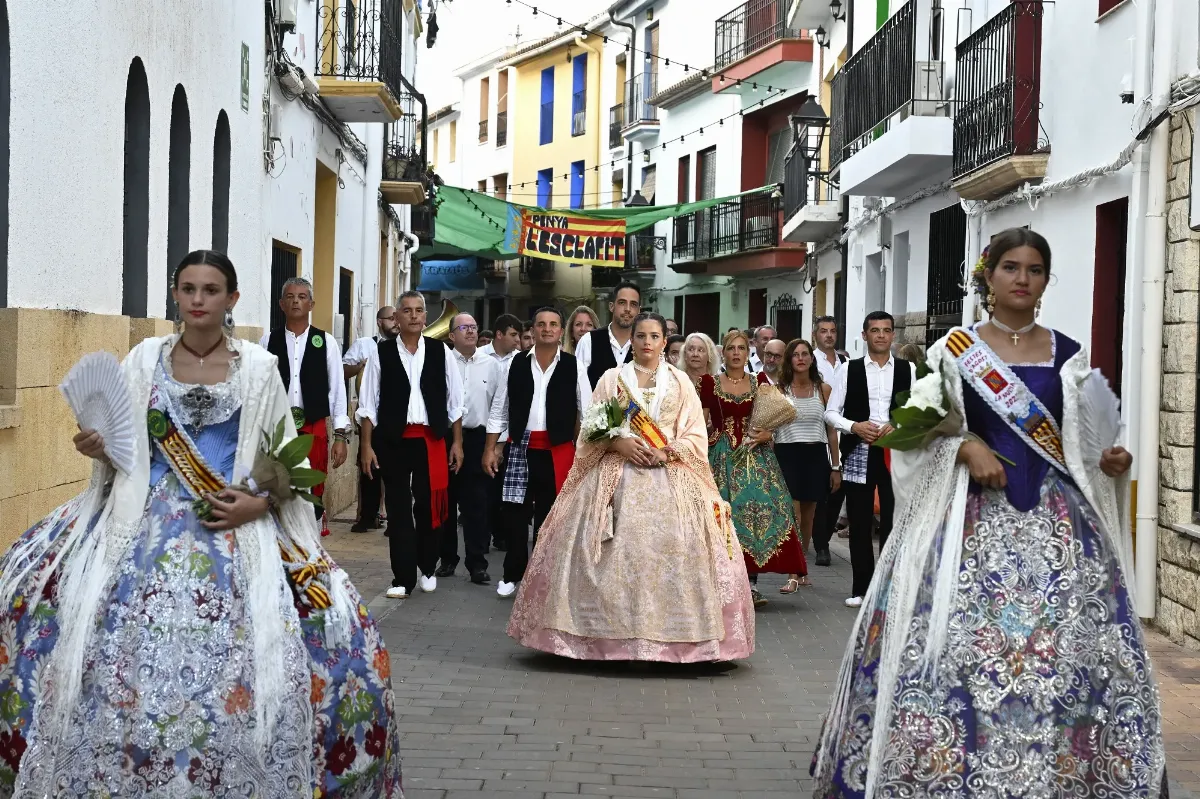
(500, 185)
(778, 144)
(618, 188)
(579, 95)
(179, 170)
(758, 309)
(345, 306)
(453, 140)
(944, 293)
(577, 184)
(502, 110)
(1108, 307)
(482, 187)
(436, 142)
(545, 188)
(649, 182)
(546, 134)
(484, 109)
(136, 219)
(285, 264)
(685, 180)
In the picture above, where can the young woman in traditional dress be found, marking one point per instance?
(746, 470)
(998, 652)
(145, 652)
(638, 559)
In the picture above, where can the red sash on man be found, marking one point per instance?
(318, 458)
(439, 472)
(563, 455)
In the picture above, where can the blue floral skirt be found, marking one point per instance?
(167, 706)
(1044, 688)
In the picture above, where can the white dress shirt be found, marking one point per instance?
(490, 349)
(361, 350)
(828, 370)
(583, 349)
(296, 344)
(755, 362)
(879, 392)
(413, 363)
(498, 419)
(480, 377)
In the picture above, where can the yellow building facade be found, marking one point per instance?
(556, 69)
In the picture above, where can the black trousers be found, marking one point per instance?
(370, 494)
(404, 465)
(826, 517)
(496, 505)
(860, 507)
(539, 496)
(469, 490)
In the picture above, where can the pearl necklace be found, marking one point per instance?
(1015, 335)
(644, 370)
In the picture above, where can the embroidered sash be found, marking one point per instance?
(640, 420)
(1008, 396)
(308, 575)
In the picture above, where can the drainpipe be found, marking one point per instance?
(974, 246)
(1155, 50)
(612, 17)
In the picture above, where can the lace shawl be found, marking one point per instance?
(931, 496)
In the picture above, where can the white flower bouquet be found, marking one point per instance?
(603, 420)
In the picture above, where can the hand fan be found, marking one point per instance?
(96, 391)
(1100, 417)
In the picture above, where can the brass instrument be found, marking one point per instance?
(440, 329)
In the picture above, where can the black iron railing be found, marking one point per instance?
(998, 76)
(749, 28)
(501, 128)
(361, 40)
(877, 82)
(423, 221)
(944, 294)
(483, 131)
(405, 154)
(637, 92)
(640, 249)
(616, 121)
(605, 277)
(801, 187)
(536, 270)
(578, 113)
(731, 227)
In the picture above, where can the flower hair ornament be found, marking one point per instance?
(979, 279)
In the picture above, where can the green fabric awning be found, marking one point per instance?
(472, 224)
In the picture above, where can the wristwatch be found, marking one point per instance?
(836, 468)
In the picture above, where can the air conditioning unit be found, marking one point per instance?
(928, 89)
(285, 14)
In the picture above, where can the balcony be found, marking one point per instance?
(605, 278)
(493, 270)
(811, 14)
(736, 238)
(578, 113)
(890, 126)
(641, 118)
(405, 162)
(501, 128)
(639, 254)
(359, 65)
(812, 208)
(483, 131)
(996, 125)
(423, 219)
(536, 271)
(754, 45)
(616, 121)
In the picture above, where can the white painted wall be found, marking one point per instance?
(483, 160)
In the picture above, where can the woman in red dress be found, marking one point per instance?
(746, 470)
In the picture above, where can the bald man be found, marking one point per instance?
(772, 359)
(370, 487)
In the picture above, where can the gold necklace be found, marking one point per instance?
(737, 380)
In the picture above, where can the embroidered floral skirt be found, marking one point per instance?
(752, 483)
(167, 705)
(1044, 688)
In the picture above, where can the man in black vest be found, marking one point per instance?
(825, 335)
(310, 364)
(864, 395)
(411, 399)
(611, 345)
(538, 404)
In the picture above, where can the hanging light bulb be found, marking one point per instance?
(722, 77)
(535, 11)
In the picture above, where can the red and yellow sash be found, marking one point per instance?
(639, 418)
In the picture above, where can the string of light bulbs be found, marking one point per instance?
(706, 72)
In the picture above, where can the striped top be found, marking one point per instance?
(809, 427)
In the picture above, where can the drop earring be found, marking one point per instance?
(1037, 309)
(991, 301)
(229, 320)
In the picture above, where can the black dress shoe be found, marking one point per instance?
(445, 570)
(823, 558)
(359, 527)
(481, 578)
(499, 546)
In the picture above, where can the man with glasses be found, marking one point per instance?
(772, 359)
(469, 486)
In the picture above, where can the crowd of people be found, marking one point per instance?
(179, 628)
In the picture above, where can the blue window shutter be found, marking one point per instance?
(545, 179)
(547, 119)
(577, 184)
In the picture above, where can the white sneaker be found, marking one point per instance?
(854, 602)
(428, 584)
(506, 590)
(397, 592)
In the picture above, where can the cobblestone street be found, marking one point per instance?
(480, 715)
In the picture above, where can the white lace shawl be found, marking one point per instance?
(931, 495)
(91, 556)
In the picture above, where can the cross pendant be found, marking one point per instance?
(1016, 340)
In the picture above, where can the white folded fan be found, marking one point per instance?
(1100, 409)
(96, 391)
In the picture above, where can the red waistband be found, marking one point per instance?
(417, 431)
(540, 439)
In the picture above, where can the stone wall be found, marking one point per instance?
(1178, 610)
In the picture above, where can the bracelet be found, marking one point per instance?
(342, 435)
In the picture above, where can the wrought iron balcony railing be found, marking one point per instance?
(361, 40)
(640, 249)
(605, 277)
(731, 227)
(501, 128)
(616, 122)
(749, 28)
(637, 92)
(801, 187)
(406, 152)
(879, 81)
(578, 113)
(999, 75)
(536, 270)
(483, 131)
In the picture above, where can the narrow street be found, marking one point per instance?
(480, 715)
